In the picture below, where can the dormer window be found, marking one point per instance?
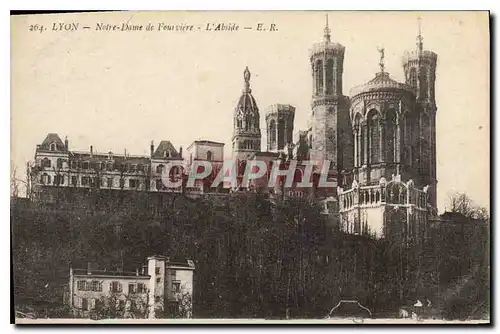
(209, 155)
(53, 147)
(166, 153)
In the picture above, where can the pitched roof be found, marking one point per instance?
(165, 145)
(52, 138)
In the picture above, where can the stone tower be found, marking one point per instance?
(331, 130)
(279, 125)
(420, 73)
(246, 136)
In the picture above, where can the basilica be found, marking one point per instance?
(380, 142)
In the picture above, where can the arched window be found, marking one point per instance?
(357, 137)
(424, 85)
(390, 135)
(159, 184)
(281, 134)
(329, 76)
(298, 175)
(174, 171)
(413, 78)
(209, 155)
(159, 169)
(238, 123)
(374, 137)
(319, 76)
(248, 123)
(59, 179)
(53, 146)
(272, 133)
(166, 153)
(46, 163)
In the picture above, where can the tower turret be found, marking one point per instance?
(420, 73)
(331, 130)
(279, 124)
(420, 70)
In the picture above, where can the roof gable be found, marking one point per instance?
(52, 138)
(165, 146)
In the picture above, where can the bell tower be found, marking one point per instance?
(420, 73)
(331, 130)
(246, 135)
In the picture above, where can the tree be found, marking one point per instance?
(462, 203)
(120, 305)
(14, 183)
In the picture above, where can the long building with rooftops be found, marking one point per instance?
(380, 143)
(56, 166)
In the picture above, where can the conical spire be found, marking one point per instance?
(420, 43)
(327, 30)
(246, 77)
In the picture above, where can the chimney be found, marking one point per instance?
(125, 153)
(152, 148)
(89, 266)
(91, 151)
(180, 152)
(66, 145)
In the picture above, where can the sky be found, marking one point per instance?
(118, 90)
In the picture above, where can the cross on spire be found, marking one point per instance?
(382, 55)
(327, 30)
(420, 43)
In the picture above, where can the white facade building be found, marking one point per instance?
(161, 288)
